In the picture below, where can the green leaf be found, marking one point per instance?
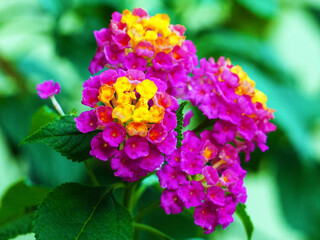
(19, 226)
(246, 221)
(179, 127)
(73, 211)
(17, 207)
(263, 9)
(43, 116)
(63, 136)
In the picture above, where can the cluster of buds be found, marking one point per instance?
(134, 105)
(135, 40)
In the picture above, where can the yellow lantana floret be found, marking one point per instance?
(141, 115)
(122, 85)
(147, 89)
(137, 128)
(247, 85)
(260, 97)
(123, 112)
(157, 114)
(124, 98)
(142, 103)
(106, 93)
(128, 18)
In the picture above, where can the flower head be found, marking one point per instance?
(135, 40)
(48, 89)
(136, 118)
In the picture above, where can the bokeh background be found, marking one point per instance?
(277, 42)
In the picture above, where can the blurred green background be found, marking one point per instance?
(277, 42)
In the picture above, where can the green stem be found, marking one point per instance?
(204, 124)
(153, 231)
(146, 210)
(56, 105)
(128, 196)
(91, 174)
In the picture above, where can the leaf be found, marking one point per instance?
(246, 221)
(63, 136)
(43, 116)
(17, 207)
(296, 188)
(19, 226)
(73, 211)
(263, 9)
(179, 127)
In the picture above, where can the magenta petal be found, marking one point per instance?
(133, 61)
(187, 117)
(114, 134)
(100, 149)
(168, 145)
(216, 195)
(192, 194)
(171, 177)
(97, 63)
(90, 97)
(153, 161)
(162, 61)
(191, 164)
(145, 49)
(48, 89)
(123, 165)
(136, 147)
(211, 175)
(170, 202)
(157, 133)
(206, 216)
(174, 159)
(87, 121)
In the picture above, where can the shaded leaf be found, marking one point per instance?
(19, 226)
(17, 207)
(63, 136)
(245, 219)
(19, 200)
(73, 211)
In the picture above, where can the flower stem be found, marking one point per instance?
(146, 210)
(128, 196)
(153, 231)
(91, 174)
(56, 105)
(204, 124)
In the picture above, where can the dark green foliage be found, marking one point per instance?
(73, 211)
(17, 208)
(180, 122)
(63, 136)
(21, 225)
(245, 219)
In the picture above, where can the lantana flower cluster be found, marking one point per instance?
(137, 119)
(225, 93)
(206, 175)
(135, 40)
(205, 172)
(133, 112)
